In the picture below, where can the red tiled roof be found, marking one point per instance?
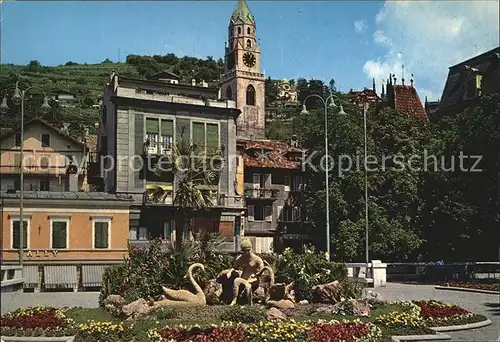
(275, 154)
(406, 100)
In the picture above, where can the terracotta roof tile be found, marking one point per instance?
(271, 153)
(406, 100)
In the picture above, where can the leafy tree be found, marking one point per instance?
(70, 63)
(34, 65)
(271, 91)
(460, 217)
(393, 195)
(107, 60)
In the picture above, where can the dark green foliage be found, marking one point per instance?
(244, 314)
(162, 314)
(305, 269)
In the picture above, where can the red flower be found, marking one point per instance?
(432, 309)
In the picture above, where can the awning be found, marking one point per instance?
(92, 275)
(57, 276)
(164, 186)
(31, 276)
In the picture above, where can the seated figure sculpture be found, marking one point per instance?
(250, 264)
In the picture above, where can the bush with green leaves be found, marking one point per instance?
(145, 270)
(305, 269)
(244, 314)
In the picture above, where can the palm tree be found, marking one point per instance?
(190, 168)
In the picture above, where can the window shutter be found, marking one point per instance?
(167, 127)
(256, 180)
(250, 210)
(62, 235)
(268, 213)
(213, 137)
(152, 126)
(16, 235)
(18, 139)
(101, 235)
(199, 135)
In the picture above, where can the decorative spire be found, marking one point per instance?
(403, 74)
(374, 89)
(411, 80)
(383, 90)
(242, 12)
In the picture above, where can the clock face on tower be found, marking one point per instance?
(249, 59)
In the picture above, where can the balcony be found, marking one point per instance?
(264, 194)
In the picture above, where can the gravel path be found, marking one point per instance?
(484, 304)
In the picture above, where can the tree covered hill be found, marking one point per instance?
(87, 81)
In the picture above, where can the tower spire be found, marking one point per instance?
(243, 13)
(403, 74)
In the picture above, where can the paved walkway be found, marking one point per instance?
(484, 304)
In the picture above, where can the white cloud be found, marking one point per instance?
(360, 26)
(430, 36)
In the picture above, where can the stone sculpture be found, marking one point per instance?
(185, 296)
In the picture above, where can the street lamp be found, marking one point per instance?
(18, 98)
(328, 102)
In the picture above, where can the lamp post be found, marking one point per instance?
(18, 98)
(368, 273)
(326, 104)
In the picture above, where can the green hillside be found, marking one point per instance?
(87, 82)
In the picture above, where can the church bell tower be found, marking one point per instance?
(242, 80)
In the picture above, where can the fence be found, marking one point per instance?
(461, 271)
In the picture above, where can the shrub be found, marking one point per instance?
(244, 314)
(305, 269)
(164, 313)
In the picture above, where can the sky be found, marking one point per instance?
(351, 42)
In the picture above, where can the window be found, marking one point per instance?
(206, 135)
(59, 233)
(239, 30)
(250, 95)
(262, 212)
(229, 93)
(261, 179)
(104, 115)
(15, 240)
(249, 30)
(101, 233)
(297, 183)
(44, 185)
(45, 140)
(152, 131)
(18, 139)
(167, 136)
(470, 89)
(44, 161)
(249, 43)
(17, 184)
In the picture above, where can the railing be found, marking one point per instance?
(261, 193)
(432, 272)
(12, 278)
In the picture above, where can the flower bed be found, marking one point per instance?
(475, 286)
(36, 321)
(285, 331)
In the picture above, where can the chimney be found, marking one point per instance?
(72, 172)
(403, 74)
